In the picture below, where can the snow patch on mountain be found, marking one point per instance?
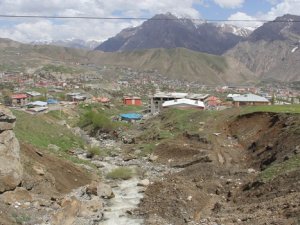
(239, 31)
(294, 49)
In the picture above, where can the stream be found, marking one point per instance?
(119, 210)
(127, 193)
(127, 197)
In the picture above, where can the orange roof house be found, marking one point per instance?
(19, 99)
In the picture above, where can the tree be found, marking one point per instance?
(7, 100)
(273, 99)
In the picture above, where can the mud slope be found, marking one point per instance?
(249, 173)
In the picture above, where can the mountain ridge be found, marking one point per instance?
(272, 50)
(168, 31)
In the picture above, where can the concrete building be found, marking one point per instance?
(184, 103)
(156, 101)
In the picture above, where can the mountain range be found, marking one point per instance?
(181, 49)
(168, 31)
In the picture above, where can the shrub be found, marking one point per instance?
(98, 120)
(123, 173)
(94, 151)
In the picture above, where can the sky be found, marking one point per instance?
(28, 29)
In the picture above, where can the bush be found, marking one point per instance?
(98, 120)
(94, 151)
(123, 173)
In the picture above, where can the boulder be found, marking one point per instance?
(67, 215)
(7, 119)
(104, 191)
(143, 183)
(11, 170)
(91, 208)
(91, 189)
(39, 170)
(18, 195)
(75, 211)
(153, 158)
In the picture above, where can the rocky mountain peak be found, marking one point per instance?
(169, 31)
(279, 29)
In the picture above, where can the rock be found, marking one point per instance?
(7, 119)
(128, 140)
(91, 208)
(67, 215)
(251, 170)
(91, 189)
(53, 147)
(45, 203)
(18, 195)
(153, 158)
(74, 211)
(11, 170)
(39, 170)
(297, 150)
(104, 191)
(98, 164)
(143, 183)
(128, 158)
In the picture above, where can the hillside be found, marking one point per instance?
(183, 64)
(272, 51)
(175, 63)
(168, 31)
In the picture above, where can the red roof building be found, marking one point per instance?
(132, 101)
(19, 99)
(19, 96)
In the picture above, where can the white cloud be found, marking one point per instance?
(229, 3)
(245, 20)
(29, 29)
(279, 9)
(285, 7)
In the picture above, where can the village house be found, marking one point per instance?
(249, 99)
(132, 100)
(76, 97)
(33, 95)
(19, 99)
(156, 101)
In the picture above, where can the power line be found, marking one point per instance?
(141, 18)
